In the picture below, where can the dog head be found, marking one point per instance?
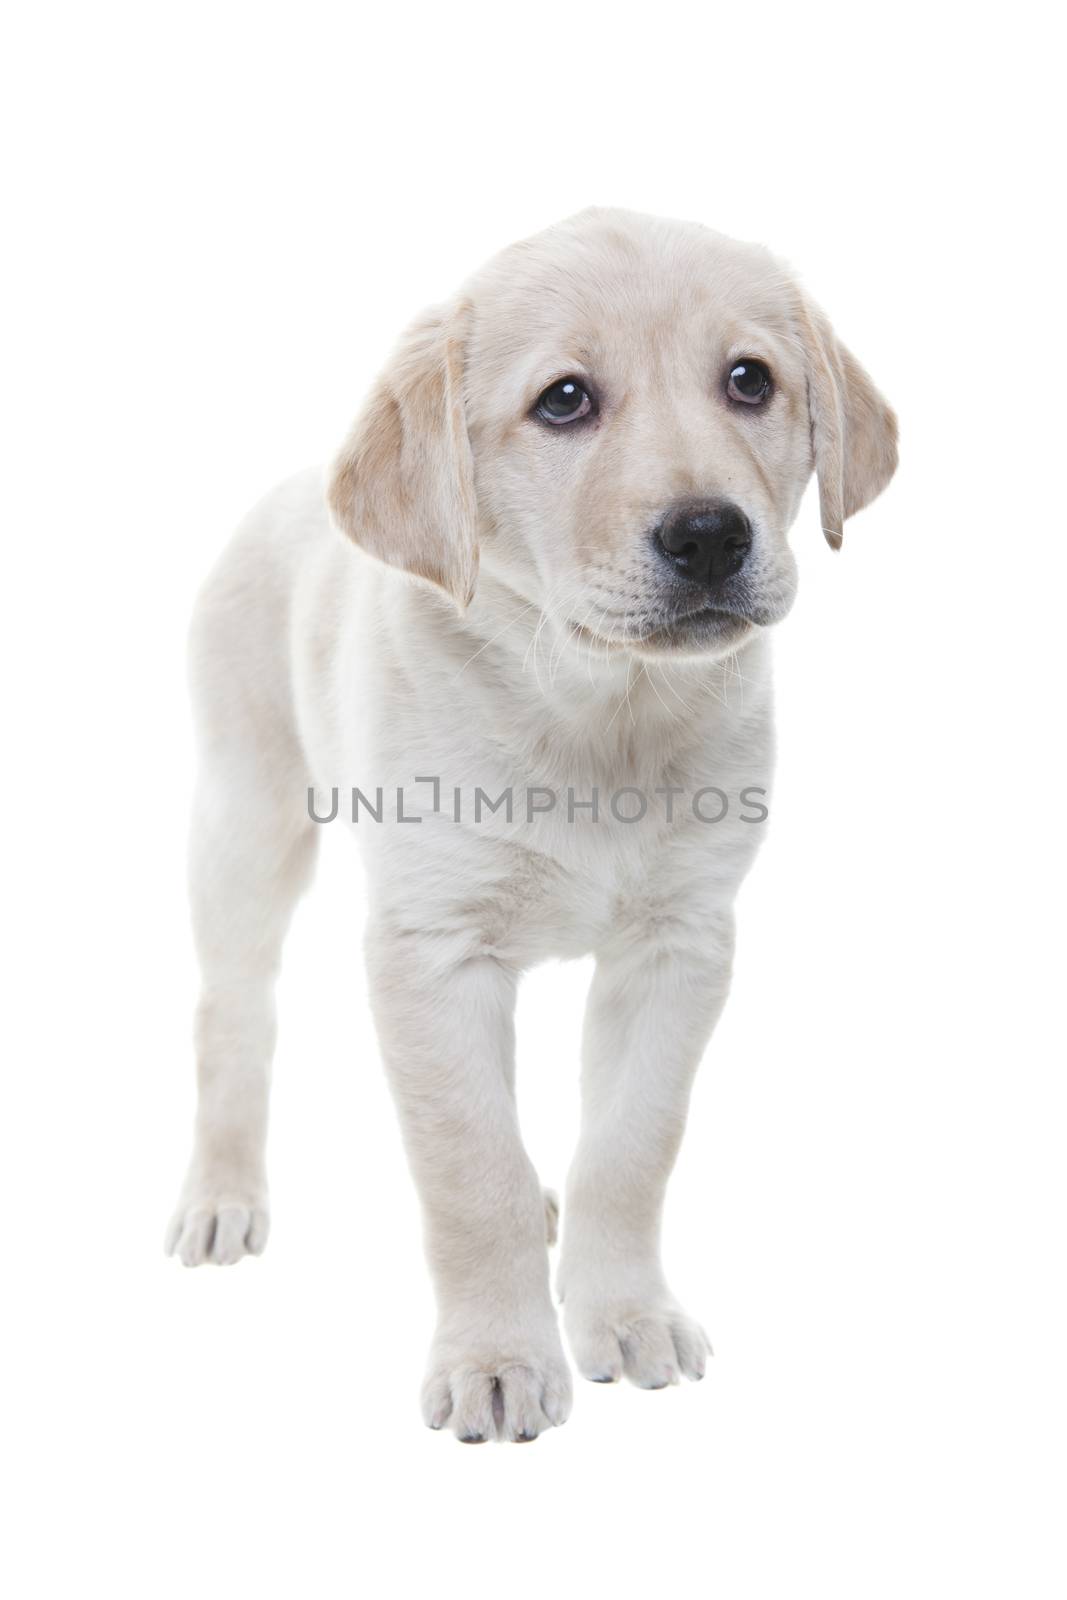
(617, 418)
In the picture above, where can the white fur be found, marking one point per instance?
(317, 663)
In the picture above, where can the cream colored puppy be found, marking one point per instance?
(553, 542)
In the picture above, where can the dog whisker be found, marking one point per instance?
(647, 675)
(509, 624)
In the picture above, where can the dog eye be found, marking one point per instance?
(564, 401)
(749, 382)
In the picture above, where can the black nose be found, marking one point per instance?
(706, 539)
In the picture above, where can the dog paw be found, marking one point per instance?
(217, 1230)
(650, 1344)
(493, 1388)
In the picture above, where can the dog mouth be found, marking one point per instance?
(699, 629)
(703, 628)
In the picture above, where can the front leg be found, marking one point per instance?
(445, 1020)
(651, 1011)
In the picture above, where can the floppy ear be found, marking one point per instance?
(403, 485)
(853, 430)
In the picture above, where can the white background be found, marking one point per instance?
(218, 219)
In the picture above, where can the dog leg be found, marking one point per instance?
(649, 1017)
(446, 1025)
(252, 849)
(250, 858)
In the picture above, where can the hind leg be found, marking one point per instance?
(252, 850)
(251, 856)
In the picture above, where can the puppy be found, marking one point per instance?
(504, 635)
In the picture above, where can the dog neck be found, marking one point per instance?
(539, 687)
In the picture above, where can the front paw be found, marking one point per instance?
(509, 1384)
(649, 1340)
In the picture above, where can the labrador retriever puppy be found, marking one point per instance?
(518, 638)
